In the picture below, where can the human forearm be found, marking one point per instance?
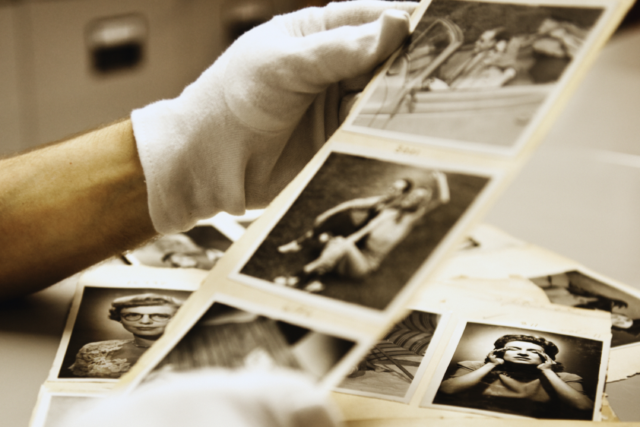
(566, 393)
(465, 382)
(52, 199)
(357, 266)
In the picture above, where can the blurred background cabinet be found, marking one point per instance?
(70, 65)
(9, 96)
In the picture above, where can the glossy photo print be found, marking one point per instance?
(228, 337)
(114, 327)
(577, 289)
(474, 75)
(392, 368)
(506, 371)
(361, 228)
(201, 247)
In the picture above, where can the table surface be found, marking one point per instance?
(578, 196)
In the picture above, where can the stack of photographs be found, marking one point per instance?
(492, 339)
(325, 280)
(508, 331)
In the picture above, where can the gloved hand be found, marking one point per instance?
(237, 135)
(214, 397)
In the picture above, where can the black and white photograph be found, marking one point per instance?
(393, 365)
(475, 73)
(577, 289)
(229, 337)
(506, 371)
(114, 327)
(361, 228)
(201, 247)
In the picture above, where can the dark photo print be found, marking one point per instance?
(361, 228)
(201, 247)
(392, 364)
(114, 327)
(477, 72)
(231, 338)
(575, 289)
(504, 370)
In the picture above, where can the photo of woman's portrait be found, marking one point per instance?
(522, 372)
(201, 247)
(114, 328)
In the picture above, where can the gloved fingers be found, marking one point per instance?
(346, 52)
(294, 70)
(314, 20)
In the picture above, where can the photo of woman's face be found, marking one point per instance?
(523, 353)
(148, 321)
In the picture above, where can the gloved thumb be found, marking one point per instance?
(347, 52)
(295, 69)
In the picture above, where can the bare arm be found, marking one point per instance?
(566, 393)
(69, 205)
(364, 203)
(465, 382)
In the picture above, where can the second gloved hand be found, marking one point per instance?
(237, 135)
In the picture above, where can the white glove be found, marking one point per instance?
(237, 135)
(214, 397)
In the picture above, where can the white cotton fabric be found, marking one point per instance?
(237, 135)
(215, 397)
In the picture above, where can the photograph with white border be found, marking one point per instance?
(394, 367)
(109, 328)
(477, 75)
(53, 408)
(201, 247)
(508, 371)
(235, 335)
(581, 289)
(361, 228)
